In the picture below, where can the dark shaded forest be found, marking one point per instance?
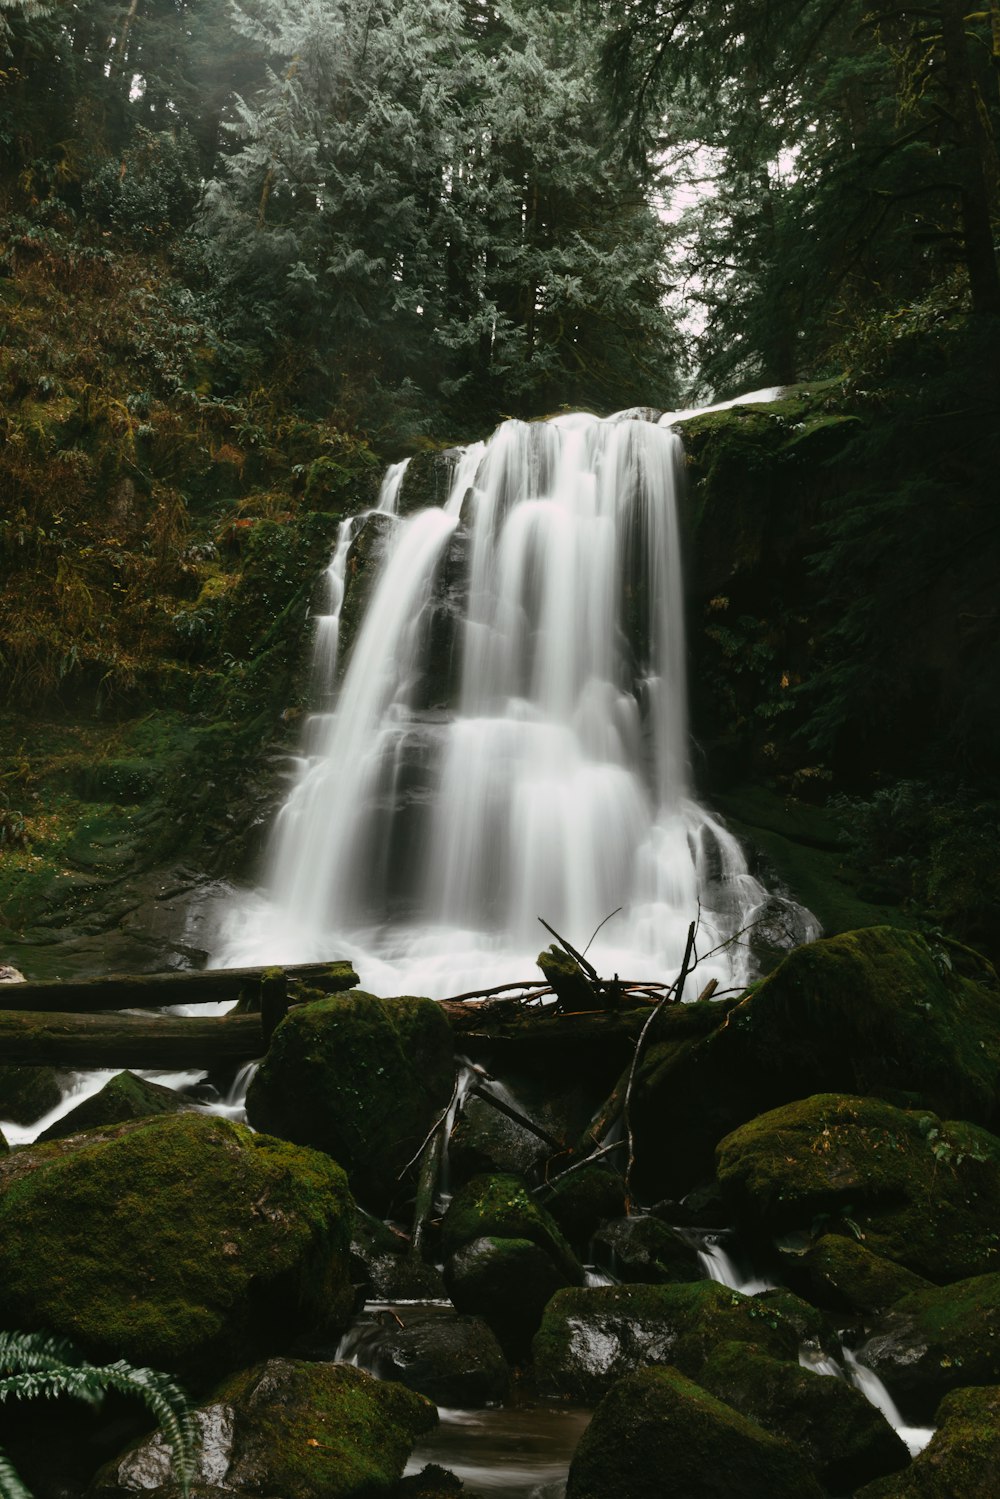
(249, 253)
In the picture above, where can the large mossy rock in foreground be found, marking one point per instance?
(962, 1460)
(590, 1338)
(877, 1012)
(936, 1340)
(657, 1435)
(361, 1078)
(295, 1429)
(187, 1243)
(915, 1190)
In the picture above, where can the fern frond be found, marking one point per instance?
(11, 1485)
(35, 1350)
(36, 1365)
(168, 1403)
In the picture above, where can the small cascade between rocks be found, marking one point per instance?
(508, 739)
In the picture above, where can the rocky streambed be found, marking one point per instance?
(399, 1235)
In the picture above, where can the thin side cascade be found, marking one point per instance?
(426, 841)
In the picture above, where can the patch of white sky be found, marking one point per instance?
(688, 178)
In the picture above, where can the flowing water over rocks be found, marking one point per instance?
(509, 736)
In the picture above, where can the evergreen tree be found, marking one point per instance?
(420, 197)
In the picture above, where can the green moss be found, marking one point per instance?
(876, 1011)
(324, 1428)
(658, 1432)
(359, 1077)
(844, 1438)
(184, 1243)
(589, 1338)
(500, 1206)
(124, 1097)
(803, 846)
(846, 1276)
(962, 1458)
(918, 1191)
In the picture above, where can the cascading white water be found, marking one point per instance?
(425, 844)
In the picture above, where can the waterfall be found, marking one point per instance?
(425, 841)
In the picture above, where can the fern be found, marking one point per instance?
(34, 1365)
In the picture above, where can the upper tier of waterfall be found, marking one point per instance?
(507, 738)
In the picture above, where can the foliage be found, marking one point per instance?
(420, 201)
(34, 1365)
(851, 158)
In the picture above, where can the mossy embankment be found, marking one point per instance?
(162, 526)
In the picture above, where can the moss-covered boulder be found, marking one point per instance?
(844, 1438)
(644, 1250)
(455, 1360)
(583, 1199)
(842, 1275)
(187, 1243)
(26, 1093)
(936, 1340)
(915, 1190)
(123, 1097)
(361, 1078)
(876, 1012)
(591, 1338)
(507, 1282)
(301, 1430)
(657, 1435)
(501, 1207)
(961, 1461)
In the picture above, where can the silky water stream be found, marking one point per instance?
(508, 740)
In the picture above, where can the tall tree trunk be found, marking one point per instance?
(970, 162)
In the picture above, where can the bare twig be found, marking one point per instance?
(436, 1125)
(497, 989)
(598, 928)
(594, 1155)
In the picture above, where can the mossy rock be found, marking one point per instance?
(844, 1438)
(385, 1268)
(4, 1147)
(361, 1078)
(657, 1435)
(186, 1243)
(289, 1428)
(124, 1097)
(841, 1275)
(485, 1140)
(962, 1459)
(28, 1093)
(501, 1207)
(877, 1012)
(584, 1199)
(590, 1338)
(936, 1340)
(644, 1250)
(507, 1282)
(923, 1193)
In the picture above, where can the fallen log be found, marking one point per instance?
(155, 1042)
(154, 991)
